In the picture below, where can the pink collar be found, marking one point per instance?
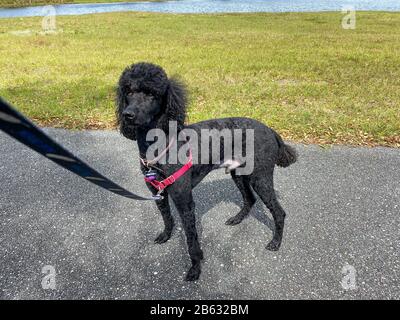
(161, 185)
(148, 163)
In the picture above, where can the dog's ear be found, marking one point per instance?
(120, 107)
(120, 103)
(175, 103)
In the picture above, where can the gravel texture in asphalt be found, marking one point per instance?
(341, 237)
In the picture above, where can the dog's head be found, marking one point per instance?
(147, 98)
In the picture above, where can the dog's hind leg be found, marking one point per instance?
(264, 188)
(243, 184)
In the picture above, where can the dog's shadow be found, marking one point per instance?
(209, 194)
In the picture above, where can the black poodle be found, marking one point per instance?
(148, 99)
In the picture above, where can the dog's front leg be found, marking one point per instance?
(163, 206)
(185, 205)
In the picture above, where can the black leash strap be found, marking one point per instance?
(20, 128)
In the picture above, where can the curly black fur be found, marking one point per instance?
(147, 99)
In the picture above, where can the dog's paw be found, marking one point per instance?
(273, 245)
(234, 220)
(193, 273)
(163, 237)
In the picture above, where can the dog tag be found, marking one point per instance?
(151, 175)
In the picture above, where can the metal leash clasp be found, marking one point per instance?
(159, 195)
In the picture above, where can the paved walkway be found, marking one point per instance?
(343, 212)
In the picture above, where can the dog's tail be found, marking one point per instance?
(286, 154)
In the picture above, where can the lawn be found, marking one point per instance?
(300, 73)
(27, 3)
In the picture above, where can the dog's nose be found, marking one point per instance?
(129, 115)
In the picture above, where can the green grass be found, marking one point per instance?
(27, 3)
(300, 73)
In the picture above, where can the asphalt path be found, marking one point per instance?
(341, 238)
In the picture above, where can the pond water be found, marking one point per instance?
(208, 6)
